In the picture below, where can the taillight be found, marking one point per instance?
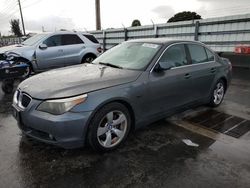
(99, 50)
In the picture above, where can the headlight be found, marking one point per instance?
(61, 106)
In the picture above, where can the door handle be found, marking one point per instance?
(212, 70)
(60, 50)
(187, 76)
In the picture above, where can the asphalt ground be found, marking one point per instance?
(190, 149)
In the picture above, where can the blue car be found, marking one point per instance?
(127, 87)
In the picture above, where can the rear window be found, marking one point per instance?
(198, 53)
(91, 38)
(210, 55)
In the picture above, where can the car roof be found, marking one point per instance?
(162, 40)
(66, 32)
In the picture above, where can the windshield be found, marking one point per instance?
(33, 40)
(129, 55)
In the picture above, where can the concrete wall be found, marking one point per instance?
(221, 34)
(238, 60)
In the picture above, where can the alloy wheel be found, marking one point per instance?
(112, 129)
(89, 59)
(218, 93)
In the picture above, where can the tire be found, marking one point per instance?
(109, 127)
(7, 87)
(218, 94)
(27, 71)
(88, 58)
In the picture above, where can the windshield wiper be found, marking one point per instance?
(111, 65)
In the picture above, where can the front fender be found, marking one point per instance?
(97, 99)
(29, 55)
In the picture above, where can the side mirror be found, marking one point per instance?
(162, 66)
(43, 46)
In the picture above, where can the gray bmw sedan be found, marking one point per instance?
(129, 86)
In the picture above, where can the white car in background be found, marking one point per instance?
(53, 50)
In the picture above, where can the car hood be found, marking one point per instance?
(21, 50)
(17, 48)
(75, 80)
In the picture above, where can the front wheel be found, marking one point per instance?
(218, 94)
(27, 71)
(109, 127)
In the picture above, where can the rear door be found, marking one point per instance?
(52, 56)
(72, 48)
(204, 69)
(171, 88)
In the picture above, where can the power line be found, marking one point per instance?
(5, 16)
(9, 7)
(8, 4)
(32, 4)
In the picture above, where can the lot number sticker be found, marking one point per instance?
(148, 45)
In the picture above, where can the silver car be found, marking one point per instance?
(129, 86)
(52, 50)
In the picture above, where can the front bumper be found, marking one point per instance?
(67, 130)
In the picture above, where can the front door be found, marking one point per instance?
(53, 55)
(171, 88)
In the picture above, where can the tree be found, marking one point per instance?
(15, 27)
(136, 23)
(184, 16)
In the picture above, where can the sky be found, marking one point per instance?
(54, 15)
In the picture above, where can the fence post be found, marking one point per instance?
(104, 40)
(196, 32)
(125, 34)
(156, 31)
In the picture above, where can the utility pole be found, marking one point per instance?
(20, 8)
(98, 15)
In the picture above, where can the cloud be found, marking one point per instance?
(217, 8)
(164, 11)
(50, 23)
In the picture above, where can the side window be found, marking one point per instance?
(197, 53)
(175, 56)
(53, 41)
(71, 39)
(210, 55)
